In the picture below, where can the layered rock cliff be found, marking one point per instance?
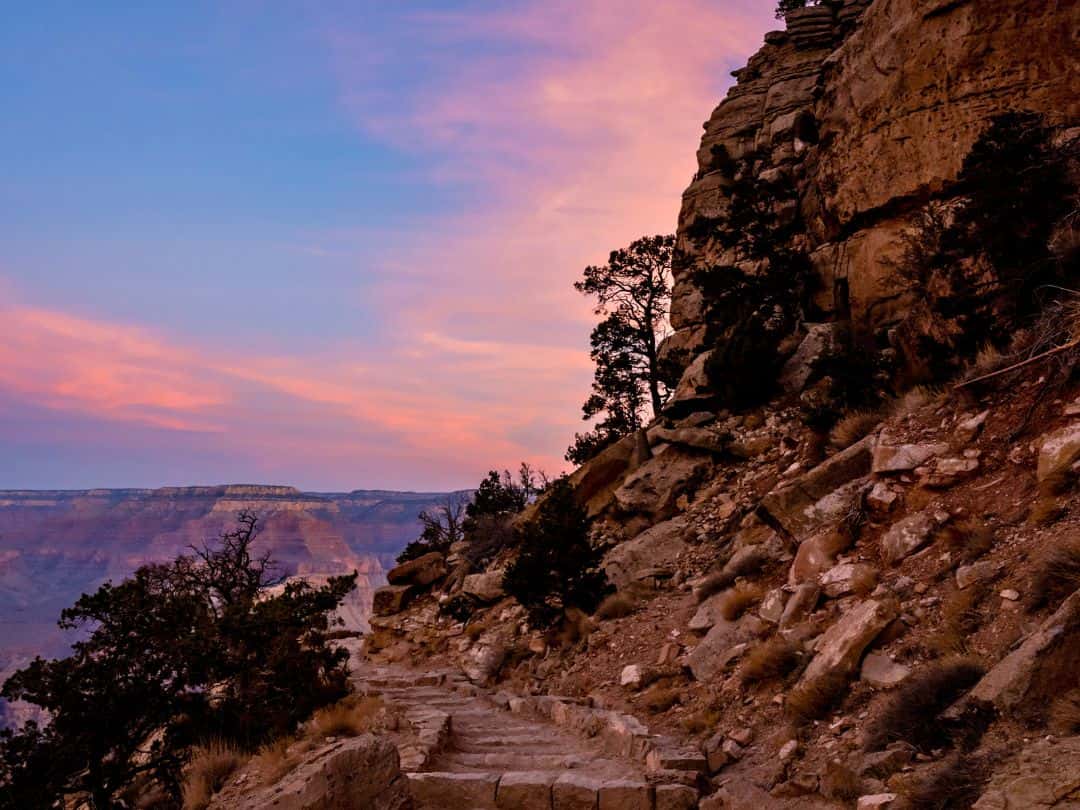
(820, 608)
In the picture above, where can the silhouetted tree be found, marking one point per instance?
(633, 293)
(557, 568)
(442, 527)
(177, 654)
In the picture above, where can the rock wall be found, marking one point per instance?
(861, 112)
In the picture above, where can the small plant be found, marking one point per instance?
(840, 783)
(910, 712)
(210, 766)
(853, 427)
(737, 600)
(1065, 714)
(954, 784)
(350, 717)
(274, 760)
(617, 606)
(960, 618)
(812, 700)
(774, 658)
(1056, 576)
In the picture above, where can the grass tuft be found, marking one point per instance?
(350, 717)
(210, 766)
(1056, 575)
(617, 606)
(774, 658)
(910, 711)
(739, 599)
(853, 427)
(1065, 714)
(813, 700)
(954, 784)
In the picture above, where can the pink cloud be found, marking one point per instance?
(575, 124)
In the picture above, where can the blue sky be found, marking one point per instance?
(326, 244)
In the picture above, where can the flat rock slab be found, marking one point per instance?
(442, 791)
(525, 790)
(573, 791)
(625, 795)
(841, 647)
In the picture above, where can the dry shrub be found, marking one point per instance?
(853, 427)
(1065, 714)
(986, 361)
(864, 579)
(1056, 575)
(205, 775)
(1047, 509)
(701, 721)
(617, 606)
(274, 760)
(659, 698)
(576, 626)
(747, 564)
(968, 540)
(916, 398)
(812, 700)
(350, 717)
(737, 600)
(840, 783)
(910, 712)
(954, 784)
(713, 584)
(771, 659)
(960, 619)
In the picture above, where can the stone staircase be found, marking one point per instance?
(474, 753)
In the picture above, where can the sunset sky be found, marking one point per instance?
(327, 244)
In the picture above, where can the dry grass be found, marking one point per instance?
(274, 760)
(210, 766)
(701, 721)
(617, 606)
(813, 700)
(576, 626)
(747, 564)
(968, 540)
(987, 360)
(910, 711)
(840, 783)
(960, 619)
(739, 599)
(1056, 575)
(918, 397)
(853, 427)
(1065, 714)
(349, 717)
(771, 659)
(660, 698)
(1047, 508)
(954, 784)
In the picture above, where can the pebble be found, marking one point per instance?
(1010, 594)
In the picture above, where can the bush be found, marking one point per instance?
(853, 427)
(770, 659)
(910, 712)
(954, 784)
(738, 600)
(180, 653)
(557, 567)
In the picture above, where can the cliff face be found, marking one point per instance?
(852, 118)
(56, 545)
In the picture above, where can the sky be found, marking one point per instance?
(327, 244)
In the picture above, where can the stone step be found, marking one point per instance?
(531, 790)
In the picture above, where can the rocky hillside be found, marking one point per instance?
(847, 556)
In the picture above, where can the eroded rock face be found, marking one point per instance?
(654, 487)
(661, 545)
(358, 772)
(1044, 775)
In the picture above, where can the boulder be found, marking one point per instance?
(800, 605)
(693, 390)
(909, 534)
(654, 488)
(815, 555)
(794, 506)
(948, 472)
(484, 659)
(486, 586)
(881, 498)
(722, 645)
(847, 578)
(841, 647)
(596, 479)
(391, 599)
(823, 340)
(1053, 646)
(771, 608)
(421, 571)
(357, 772)
(698, 438)
(968, 429)
(898, 458)
(1044, 775)
(880, 671)
(968, 575)
(1058, 451)
(660, 545)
